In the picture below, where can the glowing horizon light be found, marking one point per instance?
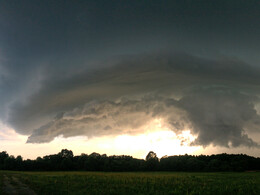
(154, 137)
(159, 139)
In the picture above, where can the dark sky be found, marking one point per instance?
(33, 30)
(109, 67)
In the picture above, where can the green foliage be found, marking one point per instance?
(1, 183)
(140, 183)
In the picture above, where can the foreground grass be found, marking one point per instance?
(1, 183)
(139, 183)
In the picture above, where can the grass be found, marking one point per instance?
(1, 183)
(139, 183)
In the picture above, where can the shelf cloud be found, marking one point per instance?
(215, 98)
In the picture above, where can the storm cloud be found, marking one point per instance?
(215, 98)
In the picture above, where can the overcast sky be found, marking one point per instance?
(91, 70)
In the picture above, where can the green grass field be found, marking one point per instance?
(136, 183)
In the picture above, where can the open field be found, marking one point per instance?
(128, 183)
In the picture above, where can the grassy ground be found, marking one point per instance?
(139, 183)
(1, 183)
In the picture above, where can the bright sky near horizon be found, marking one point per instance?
(128, 77)
(161, 141)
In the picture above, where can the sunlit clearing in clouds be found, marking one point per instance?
(155, 137)
(159, 139)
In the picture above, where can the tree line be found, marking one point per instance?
(66, 161)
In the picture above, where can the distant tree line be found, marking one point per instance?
(66, 161)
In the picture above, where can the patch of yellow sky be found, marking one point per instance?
(155, 138)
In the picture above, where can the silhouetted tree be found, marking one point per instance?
(19, 163)
(3, 156)
(152, 161)
(65, 160)
(66, 153)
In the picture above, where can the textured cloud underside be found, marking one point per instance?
(215, 99)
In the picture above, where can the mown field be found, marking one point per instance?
(135, 183)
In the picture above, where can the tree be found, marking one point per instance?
(66, 153)
(3, 156)
(151, 155)
(19, 162)
(152, 161)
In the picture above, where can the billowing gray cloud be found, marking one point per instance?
(214, 98)
(219, 116)
(98, 118)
